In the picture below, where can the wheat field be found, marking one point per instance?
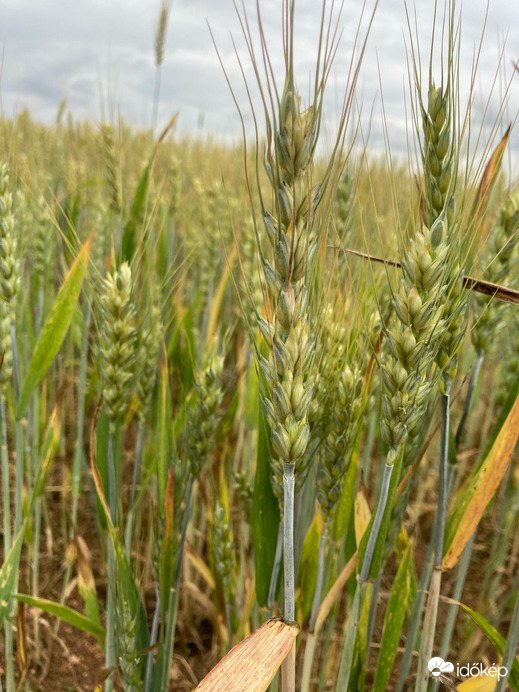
(259, 402)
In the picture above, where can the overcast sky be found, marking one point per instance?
(80, 49)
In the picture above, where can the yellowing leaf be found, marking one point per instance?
(489, 176)
(480, 489)
(362, 516)
(200, 566)
(485, 684)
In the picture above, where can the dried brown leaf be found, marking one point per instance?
(252, 664)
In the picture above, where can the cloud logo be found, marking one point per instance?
(437, 666)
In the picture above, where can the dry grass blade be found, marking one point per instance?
(490, 175)
(506, 295)
(335, 591)
(252, 664)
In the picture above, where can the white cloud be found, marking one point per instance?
(78, 48)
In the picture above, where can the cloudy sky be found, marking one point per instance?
(99, 54)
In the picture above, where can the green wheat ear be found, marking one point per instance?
(111, 166)
(9, 275)
(117, 342)
(203, 419)
(501, 256)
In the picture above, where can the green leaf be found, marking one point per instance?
(63, 612)
(250, 416)
(361, 641)
(128, 241)
(395, 614)
(55, 328)
(513, 393)
(265, 514)
(125, 581)
(9, 573)
(381, 539)
(498, 641)
(308, 564)
(347, 498)
(166, 566)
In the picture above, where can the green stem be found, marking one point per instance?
(443, 474)
(78, 454)
(361, 589)
(20, 474)
(416, 615)
(288, 667)
(319, 583)
(5, 479)
(375, 529)
(311, 639)
(20, 467)
(110, 657)
(352, 627)
(373, 612)
(185, 521)
(16, 372)
(275, 568)
(8, 640)
(34, 456)
(171, 620)
(288, 541)
(135, 482)
(431, 609)
(153, 640)
(229, 626)
(510, 651)
(423, 675)
(456, 595)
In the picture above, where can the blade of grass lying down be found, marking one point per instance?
(395, 614)
(63, 612)
(252, 664)
(56, 326)
(480, 489)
